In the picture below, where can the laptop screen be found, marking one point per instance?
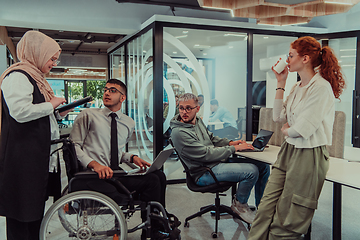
(262, 139)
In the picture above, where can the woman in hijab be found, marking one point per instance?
(28, 126)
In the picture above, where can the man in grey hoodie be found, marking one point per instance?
(199, 147)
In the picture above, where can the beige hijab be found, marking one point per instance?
(34, 50)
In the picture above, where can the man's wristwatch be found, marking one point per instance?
(132, 158)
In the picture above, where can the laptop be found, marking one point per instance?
(260, 141)
(156, 165)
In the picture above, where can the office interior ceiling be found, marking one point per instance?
(98, 26)
(73, 42)
(281, 12)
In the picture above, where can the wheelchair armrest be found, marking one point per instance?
(91, 174)
(119, 173)
(86, 174)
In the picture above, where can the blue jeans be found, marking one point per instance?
(264, 173)
(246, 172)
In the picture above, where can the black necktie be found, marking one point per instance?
(114, 151)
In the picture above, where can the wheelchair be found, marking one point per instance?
(82, 213)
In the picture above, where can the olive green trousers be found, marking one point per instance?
(291, 194)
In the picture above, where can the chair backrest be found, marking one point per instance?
(338, 136)
(266, 122)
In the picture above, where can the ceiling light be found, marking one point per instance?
(297, 23)
(234, 35)
(266, 37)
(348, 56)
(267, 24)
(339, 3)
(182, 36)
(344, 50)
(231, 46)
(201, 46)
(232, 13)
(219, 8)
(184, 32)
(204, 54)
(174, 52)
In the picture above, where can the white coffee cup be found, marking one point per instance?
(280, 65)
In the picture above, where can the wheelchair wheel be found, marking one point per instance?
(84, 215)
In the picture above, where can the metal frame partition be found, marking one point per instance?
(157, 28)
(337, 187)
(157, 37)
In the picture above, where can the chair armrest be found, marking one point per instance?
(206, 169)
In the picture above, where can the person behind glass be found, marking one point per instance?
(200, 114)
(166, 109)
(91, 134)
(28, 125)
(291, 195)
(222, 114)
(199, 147)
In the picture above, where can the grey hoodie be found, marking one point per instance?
(197, 146)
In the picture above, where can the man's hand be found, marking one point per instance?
(103, 171)
(284, 129)
(236, 142)
(243, 146)
(64, 113)
(141, 163)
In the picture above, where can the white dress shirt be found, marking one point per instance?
(91, 135)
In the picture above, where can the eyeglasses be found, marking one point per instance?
(55, 61)
(111, 90)
(187, 109)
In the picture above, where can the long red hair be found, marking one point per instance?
(323, 57)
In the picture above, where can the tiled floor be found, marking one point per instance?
(182, 203)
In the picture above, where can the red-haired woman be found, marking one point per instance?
(297, 177)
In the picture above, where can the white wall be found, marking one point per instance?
(230, 75)
(345, 103)
(3, 61)
(280, 49)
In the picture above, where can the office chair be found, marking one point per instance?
(216, 188)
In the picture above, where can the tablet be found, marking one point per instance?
(74, 104)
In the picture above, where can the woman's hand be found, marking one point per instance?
(56, 101)
(285, 128)
(281, 77)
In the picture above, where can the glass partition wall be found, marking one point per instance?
(231, 65)
(207, 63)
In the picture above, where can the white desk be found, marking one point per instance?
(215, 125)
(341, 172)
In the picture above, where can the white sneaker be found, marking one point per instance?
(243, 210)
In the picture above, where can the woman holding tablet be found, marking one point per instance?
(28, 126)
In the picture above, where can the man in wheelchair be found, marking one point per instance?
(100, 135)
